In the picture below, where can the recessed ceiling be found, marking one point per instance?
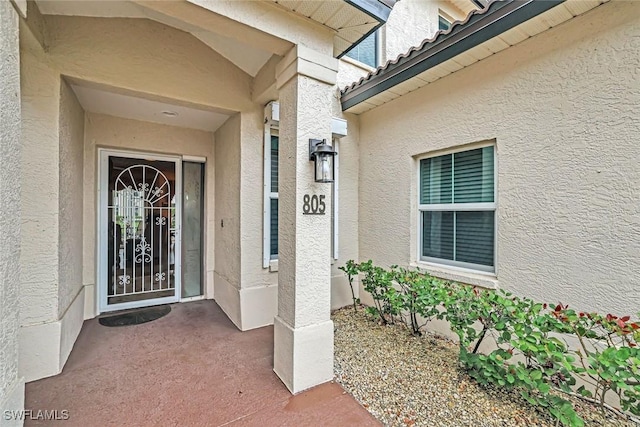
(97, 100)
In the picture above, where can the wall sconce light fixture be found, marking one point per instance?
(323, 156)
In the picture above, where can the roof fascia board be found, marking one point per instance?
(465, 37)
(374, 8)
(373, 30)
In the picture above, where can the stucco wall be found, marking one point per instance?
(145, 56)
(11, 385)
(227, 212)
(562, 107)
(251, 189)
(410, 22)
(71, 130)
(102, 131)
(40, 185)
(348, 164)
(52, 135)
(347, 221)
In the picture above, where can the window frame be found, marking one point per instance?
(334, 199)
(459, 207)
(376, 51)
(446, 17)
(269, 131)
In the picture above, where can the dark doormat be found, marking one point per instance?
(135, 317)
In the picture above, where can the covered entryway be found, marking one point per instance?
(127, 92)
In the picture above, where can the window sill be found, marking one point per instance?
(484, 280)
(273, 265)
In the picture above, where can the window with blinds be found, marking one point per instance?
(366, 51)
(457, 209)
(273, 199)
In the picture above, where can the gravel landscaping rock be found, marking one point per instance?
(404, 380)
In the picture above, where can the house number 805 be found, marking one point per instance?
(313, 205)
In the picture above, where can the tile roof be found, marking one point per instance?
(498, 26)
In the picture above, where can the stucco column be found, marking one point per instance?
(303, 341)
(11, 384)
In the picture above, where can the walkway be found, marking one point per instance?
(189, 368)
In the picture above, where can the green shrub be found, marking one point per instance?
(351, 269)
(420, 296)
(379, 283)
(608, 357)
(529, 355)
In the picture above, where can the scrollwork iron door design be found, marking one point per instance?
(141, 230)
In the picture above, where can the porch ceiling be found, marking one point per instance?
(112, 102)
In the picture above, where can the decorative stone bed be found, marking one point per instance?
(404, 380)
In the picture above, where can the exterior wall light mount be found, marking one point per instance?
(323, 156)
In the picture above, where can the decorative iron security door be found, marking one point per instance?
(141, 263)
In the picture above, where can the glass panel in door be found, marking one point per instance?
(141, 232)
(192, 226)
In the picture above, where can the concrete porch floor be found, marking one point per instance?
(190, 368)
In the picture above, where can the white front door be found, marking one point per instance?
(139, 230)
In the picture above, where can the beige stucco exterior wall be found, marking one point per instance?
(11, 383)
(259, 285)
(562, 107)
(39, 192)
(71, 147)
(70, 251)
(348, 164)
(227, 218)
(41, 328)
(145, 56)
(347, 161)
(245, 290)
(409, 23)
(102, 131)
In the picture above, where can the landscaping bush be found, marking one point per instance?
(379, 283)
(420, 297)
(351, 270)
(528, 352)
(608, 354)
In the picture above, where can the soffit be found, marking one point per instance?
(540, 23)
(112, 102)
(249, 59)
(352, 20)
(466, 6)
